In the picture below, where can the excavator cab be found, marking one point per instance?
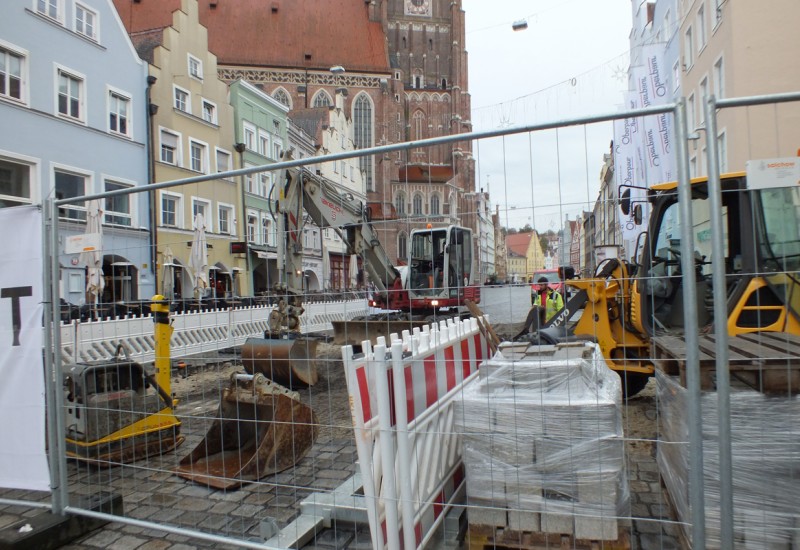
(440, 266)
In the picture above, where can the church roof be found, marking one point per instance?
(276, 33)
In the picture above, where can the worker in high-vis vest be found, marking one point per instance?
(548, 299)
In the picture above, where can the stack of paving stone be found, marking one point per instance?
(542, 435)
(765, 448)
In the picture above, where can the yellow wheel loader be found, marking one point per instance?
(636, 311)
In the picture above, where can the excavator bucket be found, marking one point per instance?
(262, 428)
(291, 363)
(355, 331)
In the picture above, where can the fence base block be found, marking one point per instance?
(47, 530)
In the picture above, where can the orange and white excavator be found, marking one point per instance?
(439, 275)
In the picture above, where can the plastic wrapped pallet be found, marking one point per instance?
(543, 444)
(765, 443)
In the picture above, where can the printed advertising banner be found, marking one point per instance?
(23, 458)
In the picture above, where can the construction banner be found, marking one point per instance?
(23, 458)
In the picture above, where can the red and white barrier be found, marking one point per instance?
(402, 405)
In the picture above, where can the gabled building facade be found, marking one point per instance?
(192, 133)
(72, 104)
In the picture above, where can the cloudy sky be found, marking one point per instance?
(570, 61)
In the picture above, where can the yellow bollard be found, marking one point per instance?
(162, 333)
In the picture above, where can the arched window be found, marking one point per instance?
(281, 96)
(322, 99)
(435, 204)
(362, 130)
(419, 125)
(400, 203)
(417, 205)
(402, 247)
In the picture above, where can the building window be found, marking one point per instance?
(197, 154)
(249, 180)
(182, 100)
(418, 124)
(264, 183)
(170, 209)
(48, 8)
(195, 67)
(223, 161)
(718, 11)
(263, 143)
(688, 50)
(202, 207)
(719, 79)
(85, 21)
(15, 184)
(417, 205)
(118, 208)
(402, 247)
(11, 66)
(252, 228)
(400, 203)
(676, 77)
(70, 95)
(701, 28)
(70, 185)
(282, 97)
(249, 136)
(704, 98)
(225, 217)
(690, 114)
(265, 230)
(169, 147)
(322, 99)
(722, 149)
(435, 204)
(209, 112)
(276, 150)
(119, 108)
(362, 135)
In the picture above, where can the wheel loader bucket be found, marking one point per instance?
(291, 363)
(262, 428)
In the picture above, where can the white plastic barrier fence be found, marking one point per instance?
(402, 401)
(195, 332)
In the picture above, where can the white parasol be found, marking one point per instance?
(326, 269)
(92, 256)
(168, 277)
(198, 257)
(353, 271)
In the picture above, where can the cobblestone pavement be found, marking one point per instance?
(151, 492)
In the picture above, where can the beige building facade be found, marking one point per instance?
(737, 49)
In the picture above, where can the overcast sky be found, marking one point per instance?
(570, 61)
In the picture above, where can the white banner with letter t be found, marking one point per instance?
(23, 456)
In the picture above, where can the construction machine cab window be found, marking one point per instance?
(780, 245)
(440, 259)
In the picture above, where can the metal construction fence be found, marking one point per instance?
(439, 436)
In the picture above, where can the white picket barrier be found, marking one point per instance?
(402, 404)
(195, 332)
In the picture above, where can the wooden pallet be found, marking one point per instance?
(766, 361)
(481, 537)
